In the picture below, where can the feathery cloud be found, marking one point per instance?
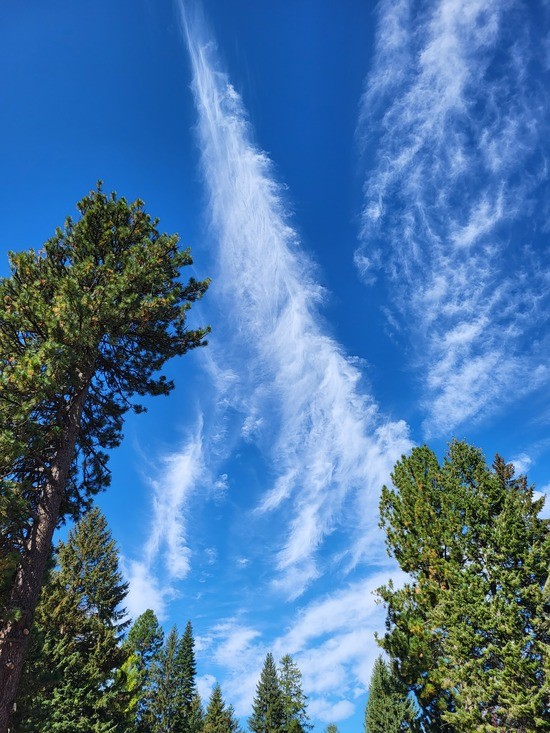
(459, 123)
(325, 434)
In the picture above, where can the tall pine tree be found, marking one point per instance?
(86, 323)
(268, 710)
(80, 623)
(469, 635)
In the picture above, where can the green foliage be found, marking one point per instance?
(173, 704)
(268, 709)
(388, 709)
(69, 683)
(294, 701)
(331, 728)
(469, 635)
(143, 643)
(87, 321)
(219, 718)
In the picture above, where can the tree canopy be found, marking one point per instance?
(469, 635)
(86, 325)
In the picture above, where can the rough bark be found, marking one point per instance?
(14, 634)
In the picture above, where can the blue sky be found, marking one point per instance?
(367, 185)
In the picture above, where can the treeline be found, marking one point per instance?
(88, 672)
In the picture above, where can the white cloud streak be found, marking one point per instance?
(328, 440)
(331, 639)
(457, 111)
(166, 553)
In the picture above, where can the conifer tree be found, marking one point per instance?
(187, 671)
(143, 643)
(163, 710)
(469, 635)
(294, 700)
(268, 712)
(85, 324)
(388, 710)
(80, 623)
(219, 718)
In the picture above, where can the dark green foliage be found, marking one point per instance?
(331, 728)
(173, 704)
(294, 701)
(469, 635)
(86, 325)
(268, 711)
(69, 683)
(219, 718)
(388, 709)
(100, 308)
(143, 643)
(163, 710)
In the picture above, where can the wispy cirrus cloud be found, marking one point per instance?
(324, 436)
(331, 639)
(456, 110)
(166, 556)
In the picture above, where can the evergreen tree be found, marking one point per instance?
(142, 644)
(268, 711)
(219, 718)
(469, 635)
(388, 709)
(85, 324)
(173, 702)
(187, 688)
(79, 623)
(294, 700)
(163, 712)
(331, 728)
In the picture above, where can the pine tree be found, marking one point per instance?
(85, 324)
(268, 712)
(469, 636)
(294, 700)
(219, 718)
(79, 623)
(388, 709)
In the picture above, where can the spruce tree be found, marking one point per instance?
(268, 711)
(388, 709)
(143, 643)
(294, 700)
(163, 711)
(80, 623)
(469, 635)
(219, 718)
(86, 323)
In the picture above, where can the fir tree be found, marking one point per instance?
(469, 636)
(163, 712)
(219, 718)
(294, 700)
(388, 709)
(143, 643)
(187, 688)
(268, 711)
(85, 324)
(79, 627)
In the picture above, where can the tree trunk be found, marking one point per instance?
(14, 633)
